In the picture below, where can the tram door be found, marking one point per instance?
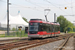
(26, 29)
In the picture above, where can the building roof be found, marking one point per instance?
(14, 20)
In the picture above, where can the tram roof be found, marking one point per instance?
(43, 21)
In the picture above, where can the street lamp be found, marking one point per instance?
(46, 13)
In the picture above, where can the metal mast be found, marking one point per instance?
(7, 17)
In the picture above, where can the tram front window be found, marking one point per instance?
(33, 27)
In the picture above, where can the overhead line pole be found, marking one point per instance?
(7, 17)
(54, 17)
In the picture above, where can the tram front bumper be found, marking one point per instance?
(34, 36)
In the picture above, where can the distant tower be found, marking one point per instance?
(18, 11)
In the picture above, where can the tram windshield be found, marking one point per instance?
(33, 26)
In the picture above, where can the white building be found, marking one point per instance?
(14, 22)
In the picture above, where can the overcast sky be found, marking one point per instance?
(35, 8)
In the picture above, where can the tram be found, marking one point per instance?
(39, 28)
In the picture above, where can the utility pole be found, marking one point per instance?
(54, 17)
(7, 17)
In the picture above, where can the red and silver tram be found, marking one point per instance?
(39, 28)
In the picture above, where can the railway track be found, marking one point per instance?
(65, 37)
(12, 40)
(74, 42)
(31, 43)
(62, 46)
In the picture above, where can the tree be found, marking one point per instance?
(24, 19)
(13, 29)
(64, 24)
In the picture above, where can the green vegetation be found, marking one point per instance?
(21, 34)
(15, 34)
(13, 29)
(25, 19)
(71, 32)
(65, 25)
(2, 35)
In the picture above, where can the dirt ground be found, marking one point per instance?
(3, 32)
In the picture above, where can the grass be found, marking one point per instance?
(71, 32)
(2, 35)
(15, 34)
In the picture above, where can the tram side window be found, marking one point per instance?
(50, 28)
(55, 28)
(40, 28)
(44, 28)
(59, 28)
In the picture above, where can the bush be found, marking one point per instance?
(13, 29)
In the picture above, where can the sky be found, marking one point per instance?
(35, 9)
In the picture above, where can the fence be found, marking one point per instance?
(1, 28)
(15, 34)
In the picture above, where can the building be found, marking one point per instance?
(14, 22)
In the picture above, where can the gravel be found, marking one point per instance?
(48, 46)
(69, 45)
